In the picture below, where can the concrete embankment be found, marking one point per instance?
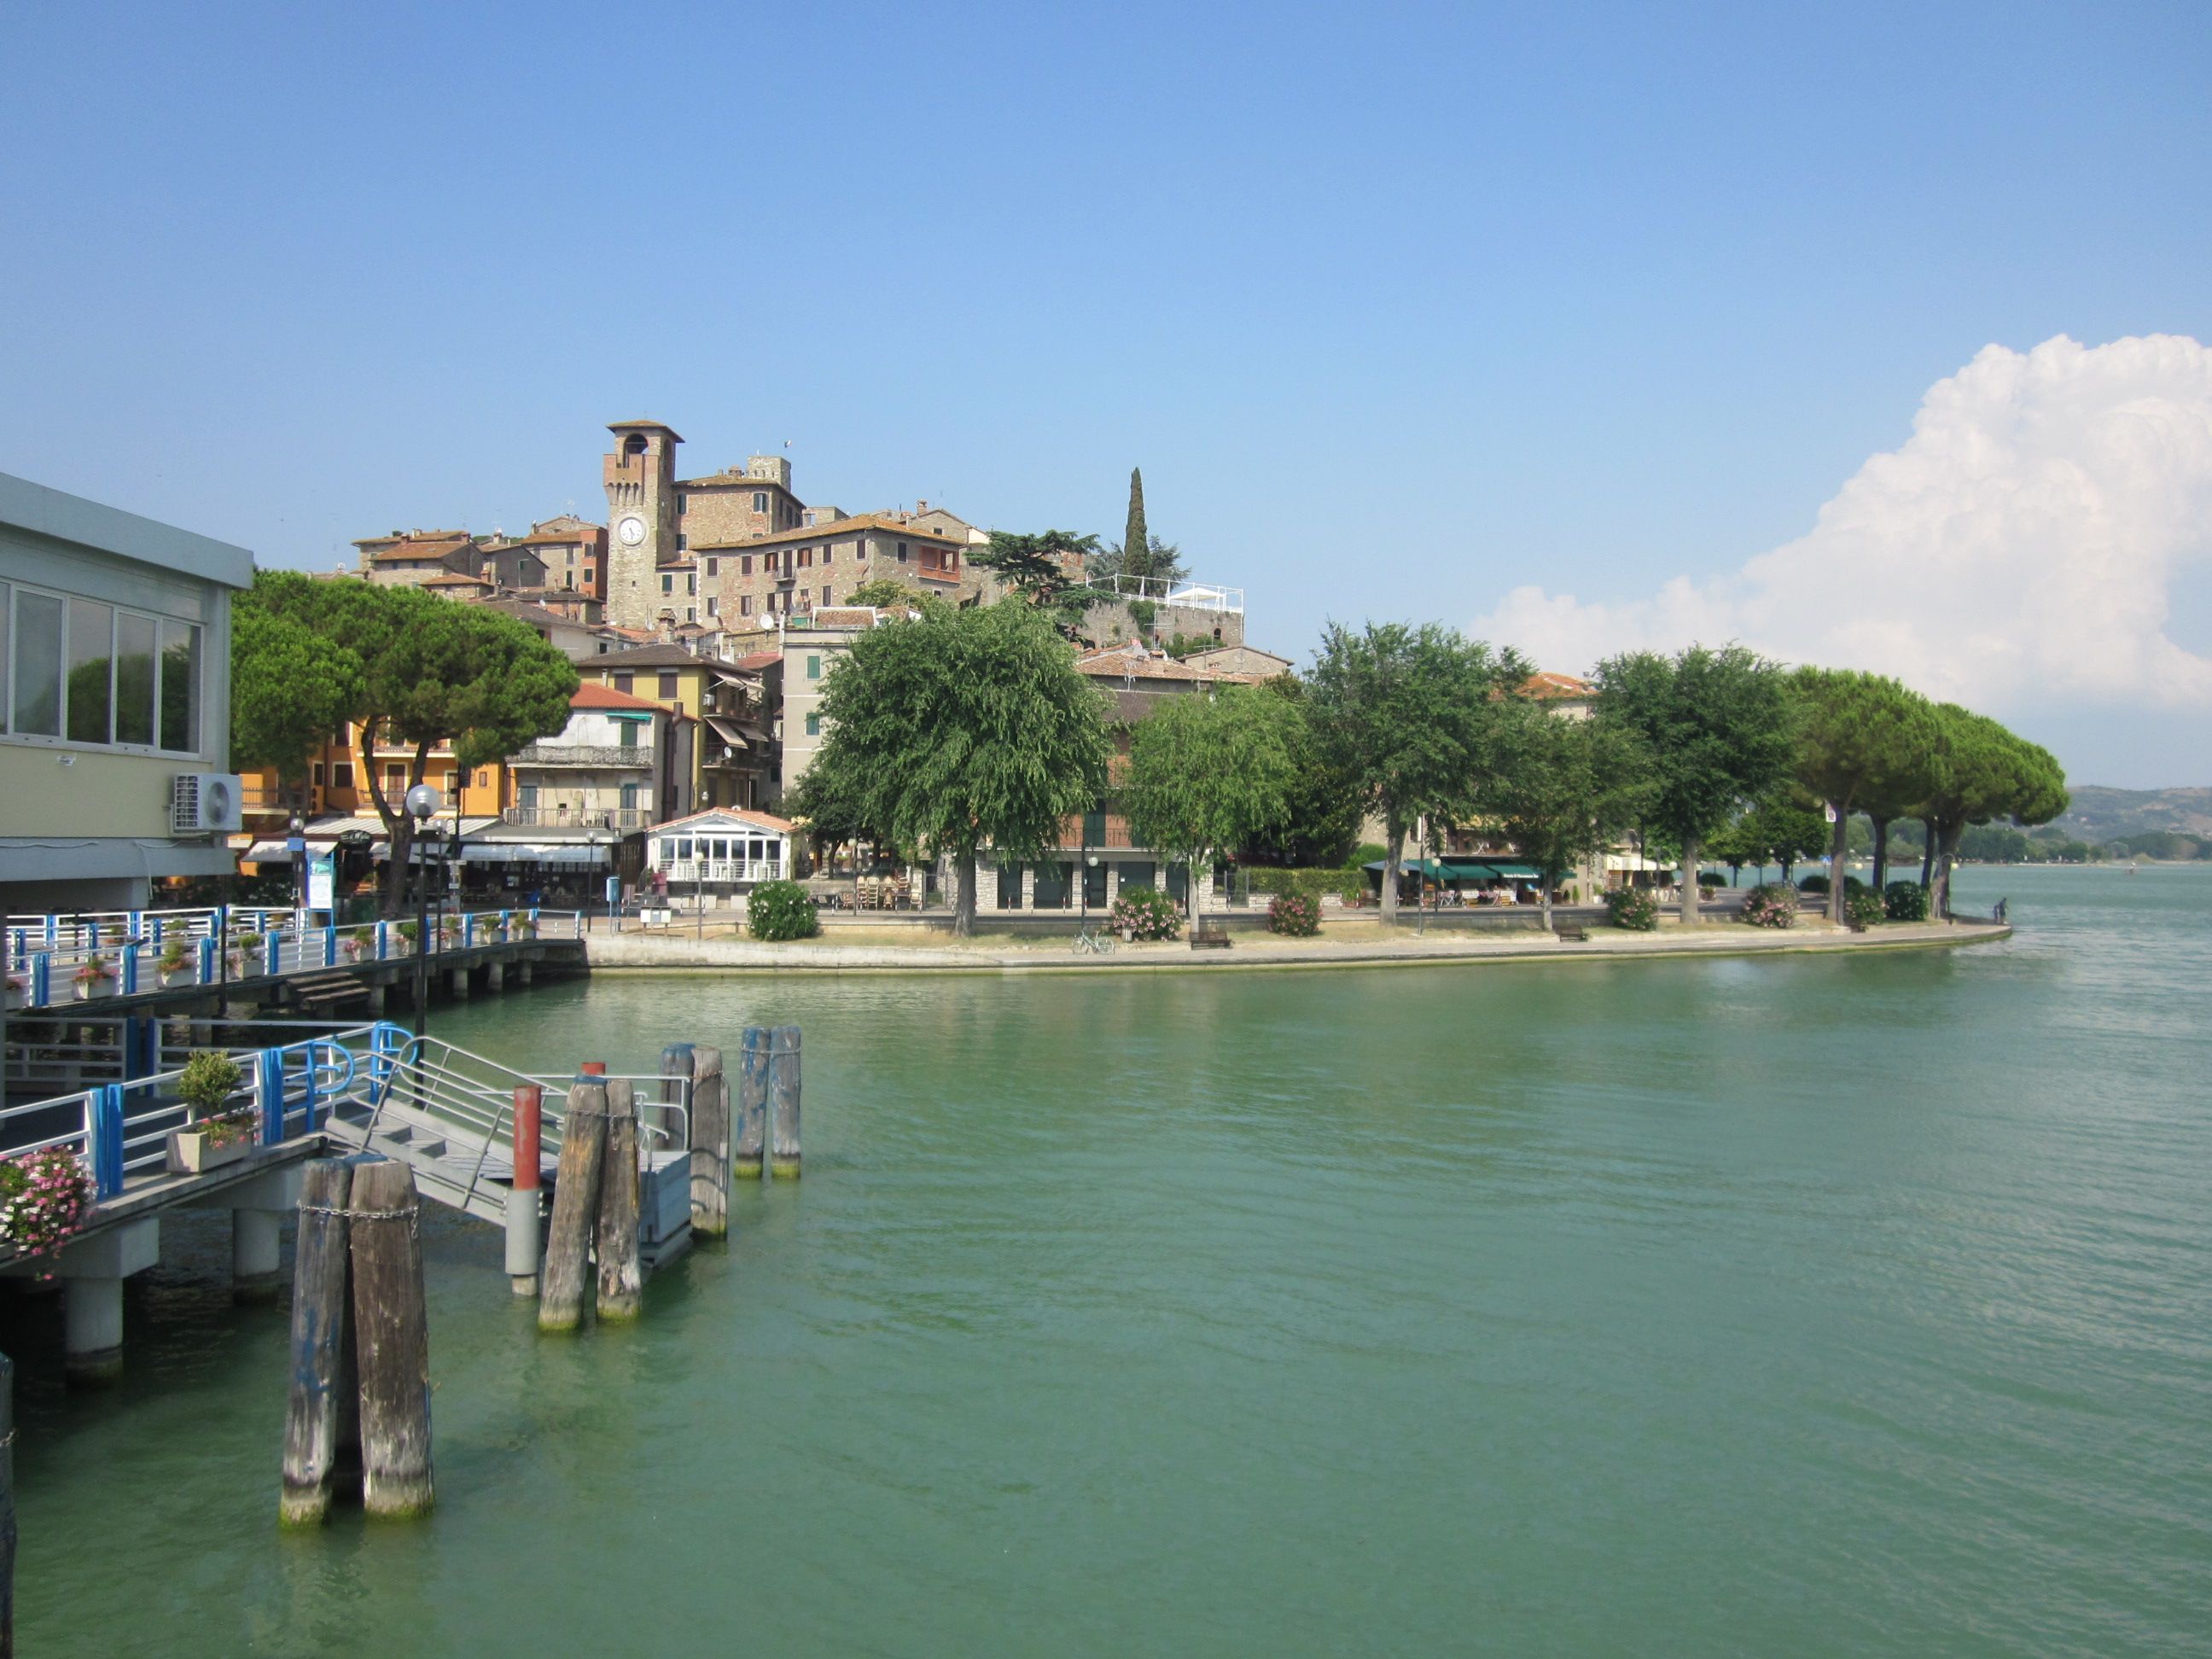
(634, 951)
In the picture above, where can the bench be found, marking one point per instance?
(1573, 930)
(1209, 938)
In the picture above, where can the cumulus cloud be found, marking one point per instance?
(2015, 551)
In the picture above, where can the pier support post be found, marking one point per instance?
(392, 1329)
(710, 1143)
(457, 981)
(92, 1332)
(783, 1104)
(6, 1507)
(525, 1209)
(323, 1403)
(256, 1255)
(376, 999)
(621, 1282)
(495, 976)
(749, 1126)
(523, 970)
(576, 1207)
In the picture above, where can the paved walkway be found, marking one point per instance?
(660, 953)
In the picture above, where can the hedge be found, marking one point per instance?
(1347, 884)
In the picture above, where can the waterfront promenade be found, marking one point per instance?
(1361, 944)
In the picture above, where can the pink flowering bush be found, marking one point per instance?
(1145, 912)
(1772, 906)
(45, 1197)
(1294, 914)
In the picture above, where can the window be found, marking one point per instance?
(667, 684)
(814, 725)
(860, 550)
(825, 594)
(395, 782)
(682, 542)
(526, 795)
(690, 581)
(711, 567)
(628, 729)
(341, 774)
(484, 779)
(667, 582)
(690, 613)
(683, 503)
(805, 556)
(760, 501)
(746, 564)
(626, 683)
(315, 774)
(95, 673)
(629, 798)
(814, 668)
(713, 607)
(745, 604)
(829, 550)
(901, 552)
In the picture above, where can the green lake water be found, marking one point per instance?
(1785, 1306)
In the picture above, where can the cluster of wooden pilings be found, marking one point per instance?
(360, 1402)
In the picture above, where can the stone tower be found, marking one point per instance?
(641, 518)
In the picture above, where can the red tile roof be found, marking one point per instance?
(589, 696)
(1559, 688)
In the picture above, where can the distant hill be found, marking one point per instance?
(2099, 815)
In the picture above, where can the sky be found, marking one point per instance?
(1868, 335)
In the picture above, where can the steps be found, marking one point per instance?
(321, 992)
(455, 1166)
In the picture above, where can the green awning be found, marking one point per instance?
(1518, 872)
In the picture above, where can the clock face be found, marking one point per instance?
(632, 531)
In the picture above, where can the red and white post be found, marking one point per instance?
(524, 1207)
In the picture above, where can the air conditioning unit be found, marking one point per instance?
(204, 803)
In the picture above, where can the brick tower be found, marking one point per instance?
(641, 518)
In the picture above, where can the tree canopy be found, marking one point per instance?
(1207, 773)
(1035, 568)
(430, 671)
(1414, 718)
(1860, 737)
(1719, 727)
(1566, 790)
(963, 728)
(291, 687)
(1321, 825)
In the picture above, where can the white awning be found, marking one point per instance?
(526, 852)
(1634, 861)
(727, 730)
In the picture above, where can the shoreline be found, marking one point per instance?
(644, 955)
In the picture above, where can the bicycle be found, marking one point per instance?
(1096, 944)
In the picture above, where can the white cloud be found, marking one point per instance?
(2015, 552)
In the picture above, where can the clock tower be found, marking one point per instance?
(641, 518)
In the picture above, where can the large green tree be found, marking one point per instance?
(1566, 788)
(1322, 825)
(433, 672)
(962, 729)
(292, 688)
(1415, 718)
(1719, 727)
(1208, 772)
(1035, 568)
(1863, 740)
(1982, 772)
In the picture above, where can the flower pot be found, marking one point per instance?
(170, 976)
(191, 1152)
(14, 998)
(91, 990)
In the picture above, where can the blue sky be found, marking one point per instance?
(1400, 309)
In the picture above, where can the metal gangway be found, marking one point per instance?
(446, 1112)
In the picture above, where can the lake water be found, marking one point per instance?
(1757, 1306)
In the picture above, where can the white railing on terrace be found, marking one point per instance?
(43, 972)
(1188, 595)
(583, 754)
(685, 871)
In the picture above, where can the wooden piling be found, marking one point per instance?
(783, 1104)
(710, 1143)
(322, 1314)
(622, 1281)
(391, 1336)
(7, 1508)
(525, 1219)
(748, 1136)
(576, 1207)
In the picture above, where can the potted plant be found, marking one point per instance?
(408, 931)
(449, 933)
(249, 956)
(94, 977)
(217, 1133)
(17, 989)
(524, 926)
(351, 946)
(170, 965)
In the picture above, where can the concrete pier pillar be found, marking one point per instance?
(457, 981)
(376, 994)
(92, 1332)
(522, 971)
(255, 1250)
(495, 976)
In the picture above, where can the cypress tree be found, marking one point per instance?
(1136, 541)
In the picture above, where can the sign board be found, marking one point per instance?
(1830, 811)
(614, 890)
(322, 882)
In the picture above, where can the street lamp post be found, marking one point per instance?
(423, 801)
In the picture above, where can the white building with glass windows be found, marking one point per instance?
(114, 702)
(718, 854)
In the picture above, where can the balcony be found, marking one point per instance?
(584, 753)
(579, 817)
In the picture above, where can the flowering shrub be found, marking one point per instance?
(174, 955)
(93, 970)
(43, 1198)
(781, 909)
(228, 1128)
(351, 946)
(1905, 901)
(1294, 914)
(1863, 910)
(1774, 905)
(1145, 912)
(1632, 908)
